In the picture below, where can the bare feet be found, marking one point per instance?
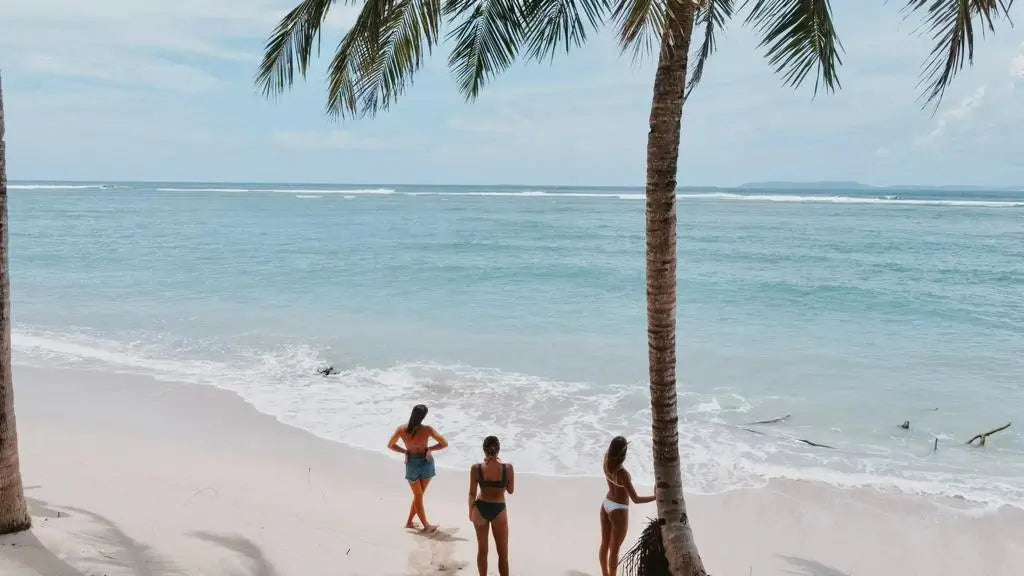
(412, 525)
(430, 528)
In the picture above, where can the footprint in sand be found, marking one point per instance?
(435, 553)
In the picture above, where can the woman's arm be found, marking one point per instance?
(511, 487)
(393, 443)
(441, 443)
(632, 491)
(472, 490)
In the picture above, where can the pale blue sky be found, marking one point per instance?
(158, 90)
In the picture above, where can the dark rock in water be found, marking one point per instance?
(905, 425)
(326, 371)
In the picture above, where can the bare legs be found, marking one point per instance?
(499, 528)
(412, 514)
(606, 537)
(614, 526)
(418, 488)
(482, 528)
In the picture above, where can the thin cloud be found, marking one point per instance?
(957, 116)
(150, 72)
(152, 42)
(1017, 67)
(329, 140)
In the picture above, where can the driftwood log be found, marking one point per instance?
(981, 438)
(776, 421)
(816, 445)
(772, 420)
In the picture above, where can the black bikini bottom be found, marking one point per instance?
(490, 510)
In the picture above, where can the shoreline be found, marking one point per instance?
(965, 498)
(186, 478)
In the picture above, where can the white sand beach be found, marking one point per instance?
(130, 476)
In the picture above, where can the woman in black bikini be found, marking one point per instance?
(488, 483)
(615, 508)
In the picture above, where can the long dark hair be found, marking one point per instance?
(419, 412)
(491, 447)
(616, 455)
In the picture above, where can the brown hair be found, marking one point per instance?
(419, 412)
(616, 455)
(491, 447)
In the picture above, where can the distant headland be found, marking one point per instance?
(853, 185)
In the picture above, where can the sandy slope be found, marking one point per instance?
(128, 476)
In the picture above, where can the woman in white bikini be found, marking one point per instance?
(615, 508)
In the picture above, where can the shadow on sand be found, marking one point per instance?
(805, 567)
(105, 547)
(114, 548)
(125, 551)
(25, 549)
(260, 565)
(435, 554)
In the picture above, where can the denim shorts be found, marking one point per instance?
(419, 468)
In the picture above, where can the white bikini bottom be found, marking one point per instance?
(610, 506)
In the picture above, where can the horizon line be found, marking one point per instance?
(768, 184)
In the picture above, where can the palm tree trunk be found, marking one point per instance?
(662, 163)
(13, 513)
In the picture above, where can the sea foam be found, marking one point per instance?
(551, 427)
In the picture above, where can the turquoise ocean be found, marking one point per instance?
(520, 312)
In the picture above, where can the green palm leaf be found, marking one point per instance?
(375, 61)
(951, 23)
(357, 54)
(487, 35)
(561, 23)
(291, 44)
(800, 37)
(640, 23)
(711, 17)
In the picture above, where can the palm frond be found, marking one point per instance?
(647, 557)
(640, 23)
(800, 37)
(488, 35)
(951, 23)
(376, 59)
(711, 17)
(357, 55)
(552, 24)
(291, 45)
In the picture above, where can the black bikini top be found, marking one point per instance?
(484, 483)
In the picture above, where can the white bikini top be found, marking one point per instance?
(613, 482)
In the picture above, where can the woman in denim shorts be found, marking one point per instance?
(419, 463)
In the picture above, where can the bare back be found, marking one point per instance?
(416, 443)
(493, 471)
(618, 486)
